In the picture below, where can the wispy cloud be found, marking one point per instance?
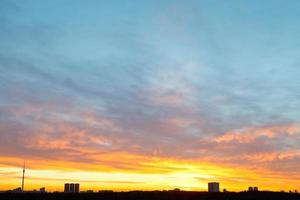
(142, 88)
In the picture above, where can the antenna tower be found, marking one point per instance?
(23, 176)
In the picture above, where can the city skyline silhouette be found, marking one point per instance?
(150, 95)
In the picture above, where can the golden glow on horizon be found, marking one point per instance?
(166, 174)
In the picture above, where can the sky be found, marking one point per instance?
(149, 94)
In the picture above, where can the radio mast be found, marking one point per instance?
(23, 176)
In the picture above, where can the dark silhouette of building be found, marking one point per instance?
(72, 187)
(77, 187)
(213, 187)
(67, 187)
(19, 189)
(252, 189)
(107, 191)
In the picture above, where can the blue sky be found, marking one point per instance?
(168, 78)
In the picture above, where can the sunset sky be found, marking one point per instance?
(150, 94)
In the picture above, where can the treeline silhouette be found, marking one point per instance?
(155, 195)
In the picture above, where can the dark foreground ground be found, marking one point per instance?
(152, 196)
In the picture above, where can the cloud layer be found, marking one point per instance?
(122, 88)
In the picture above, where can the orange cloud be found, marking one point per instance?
(248, 135)
(84, 145)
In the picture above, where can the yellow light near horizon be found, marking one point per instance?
(165, 175)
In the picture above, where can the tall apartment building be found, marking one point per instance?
(213, 187)
(72, 187)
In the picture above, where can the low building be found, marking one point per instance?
(252, 189)
(19, 189)
(106, 191)
(213, 187)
